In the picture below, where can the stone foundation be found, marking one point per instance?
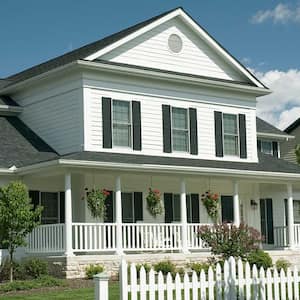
(74, 266)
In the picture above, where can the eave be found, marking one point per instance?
(276, 136)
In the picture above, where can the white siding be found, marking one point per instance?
(151, 116)
(151, 50)
(54, 111)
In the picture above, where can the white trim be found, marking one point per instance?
(4, 171)
(275, 135)
(195, 27)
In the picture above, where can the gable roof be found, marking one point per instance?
(90, 51)
(20, 146)
(292, 126)
(264, 128)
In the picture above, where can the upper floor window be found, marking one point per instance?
(230, 135)
(121, 123)
(180, 129)
(267, 147)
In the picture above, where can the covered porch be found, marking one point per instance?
(263, 203)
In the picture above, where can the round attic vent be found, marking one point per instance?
(175, 43)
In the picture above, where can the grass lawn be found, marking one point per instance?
(61, 294)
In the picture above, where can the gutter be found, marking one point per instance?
(274, 135)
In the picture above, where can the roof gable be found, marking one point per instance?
(265, 129)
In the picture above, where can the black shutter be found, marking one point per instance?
(168, 204)
(195, 208)
(218, 134)
(136, 123)
(193, 131)
(35, 198)
(106, 122)
(275, 149)
(62, 207)
(138, 206)
(166, 113)
(259, 145)
(243, 136)
(270, 226)
(109, 205)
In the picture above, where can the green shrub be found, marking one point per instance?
(43, 281)
(282, 264)
(146, 266)
(229, 240)
(260, 259)
(92, 270)
(165, 267)
(5, 269)
(35, 268)
(198, 267)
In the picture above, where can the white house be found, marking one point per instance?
(162, 105)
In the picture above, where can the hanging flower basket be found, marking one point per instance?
(96, 202)
(211, 203)
(154, 204)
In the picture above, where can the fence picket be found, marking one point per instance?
(296, 283)
(276, 286)
(232, 278)
(186, 287)
(160, 286)
(151, 285)
(262, 285)
(194, 286)
(255, 283)
(282, 285)
(248, 281)
(226, 281)
(169, 287)
(269, 285)
(289, 284)
(211, 284)
(240, 270)
(202, 285)
(124, 280)
(218, 282)
(177, 287)
(143, 283)
(133, 282)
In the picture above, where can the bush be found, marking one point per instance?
(165, 267)
(92, 270)
(229, 240)
(260, 259)
(35, 268)
(146, 266)
(282, 264)
(5, 269)
(44, 281)
(198, 267)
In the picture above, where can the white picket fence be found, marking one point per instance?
(235, 280)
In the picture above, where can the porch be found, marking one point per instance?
(80, 234)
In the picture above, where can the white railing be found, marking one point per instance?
(297, 235)
(235, 280)
(194, 241)
(151, 236)
(280, 236)
(46, 239)
(92, 237)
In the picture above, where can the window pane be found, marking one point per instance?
(127, 209)
(230, 145)
(180, 140)
(49, 201)
(230, 124)
(122, 135)
(121, 112)
(179, 118)
(266, 147)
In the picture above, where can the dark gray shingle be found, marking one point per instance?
(264, 127)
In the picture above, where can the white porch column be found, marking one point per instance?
(183, 216)
(290, 220)
(68, 216)
(236, 203)
(119, 216)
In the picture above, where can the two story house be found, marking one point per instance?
(162, 105)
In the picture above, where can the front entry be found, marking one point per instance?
(266, 219)
(227, 209)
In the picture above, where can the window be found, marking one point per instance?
(296, 205)
(267, 147)
(230, 135)
(122, 125)
(180, 129)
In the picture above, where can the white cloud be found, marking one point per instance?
(281, 107)
(282, 13)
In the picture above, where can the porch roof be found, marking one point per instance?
(267, 163)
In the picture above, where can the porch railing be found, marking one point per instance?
(280, 236)
(194, 241)
(92, 237)
(297, 234)
(46, 239)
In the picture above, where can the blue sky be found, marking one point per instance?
(264, 35)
